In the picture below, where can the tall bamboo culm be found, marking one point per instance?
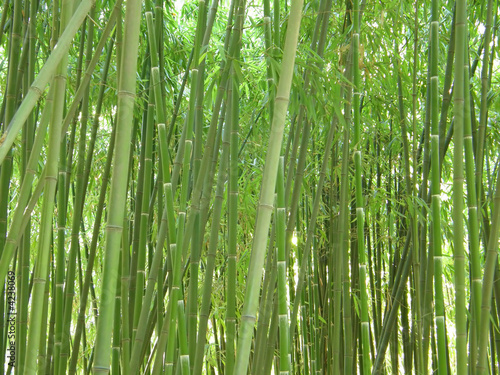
(458, 181)
(266, 199)
(117, 201)
(436, 192)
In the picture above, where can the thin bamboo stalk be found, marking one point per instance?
(473, 223)
(285, 360)
(483, 115)
(489, 270)
(40, 275)
(10, 104)
(77, 212)
(458, 180)
(211, 254)
(365, 328)
(92, 252)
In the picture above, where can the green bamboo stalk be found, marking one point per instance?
(46, 346)
(138, 270)
(117, 199)
(143, 331)
(141, 225)
(124, 311)
(43, 77)
(317, 43)
(174, 298)
(490, 262)
(60, 253)
(262, 360)
(211, 254)
(264, 210)
(41, 270)
(427, 272)
(473, 221)
(410, 187)
(197, 236)
(108, 29)
(285, 360)
(458, 180)
(344, 243)
(483, 115)
(436, 191)
(139, 258)
(77, 214)
(5, 13)
(86, 174)
(140, 251)
(165, 331)
(268, 324)
(24, 249)
(93, 246)
(232, 118)
(365, 327)
(205, 24)
(24, 252)
(418, 253)
(314, 214)
(169, 213)
(209, 147)
(203, 167)
(297, 177)
(115, 353)
(24, 195)
(10, 105)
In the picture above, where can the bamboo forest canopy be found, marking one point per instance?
(243, 187)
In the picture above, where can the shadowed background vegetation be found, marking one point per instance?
(237, 187)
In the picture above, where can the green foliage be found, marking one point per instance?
(323, 270)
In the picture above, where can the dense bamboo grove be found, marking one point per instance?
(236, 187)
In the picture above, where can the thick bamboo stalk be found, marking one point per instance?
(267, 194)
(126, 96)
(436, 194)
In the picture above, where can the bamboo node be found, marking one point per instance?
(112, 227)
(281, 98)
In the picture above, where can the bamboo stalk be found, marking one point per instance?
(126, 96)
(436, 191)
(489, 270)
(266, 197)
(458, 180)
